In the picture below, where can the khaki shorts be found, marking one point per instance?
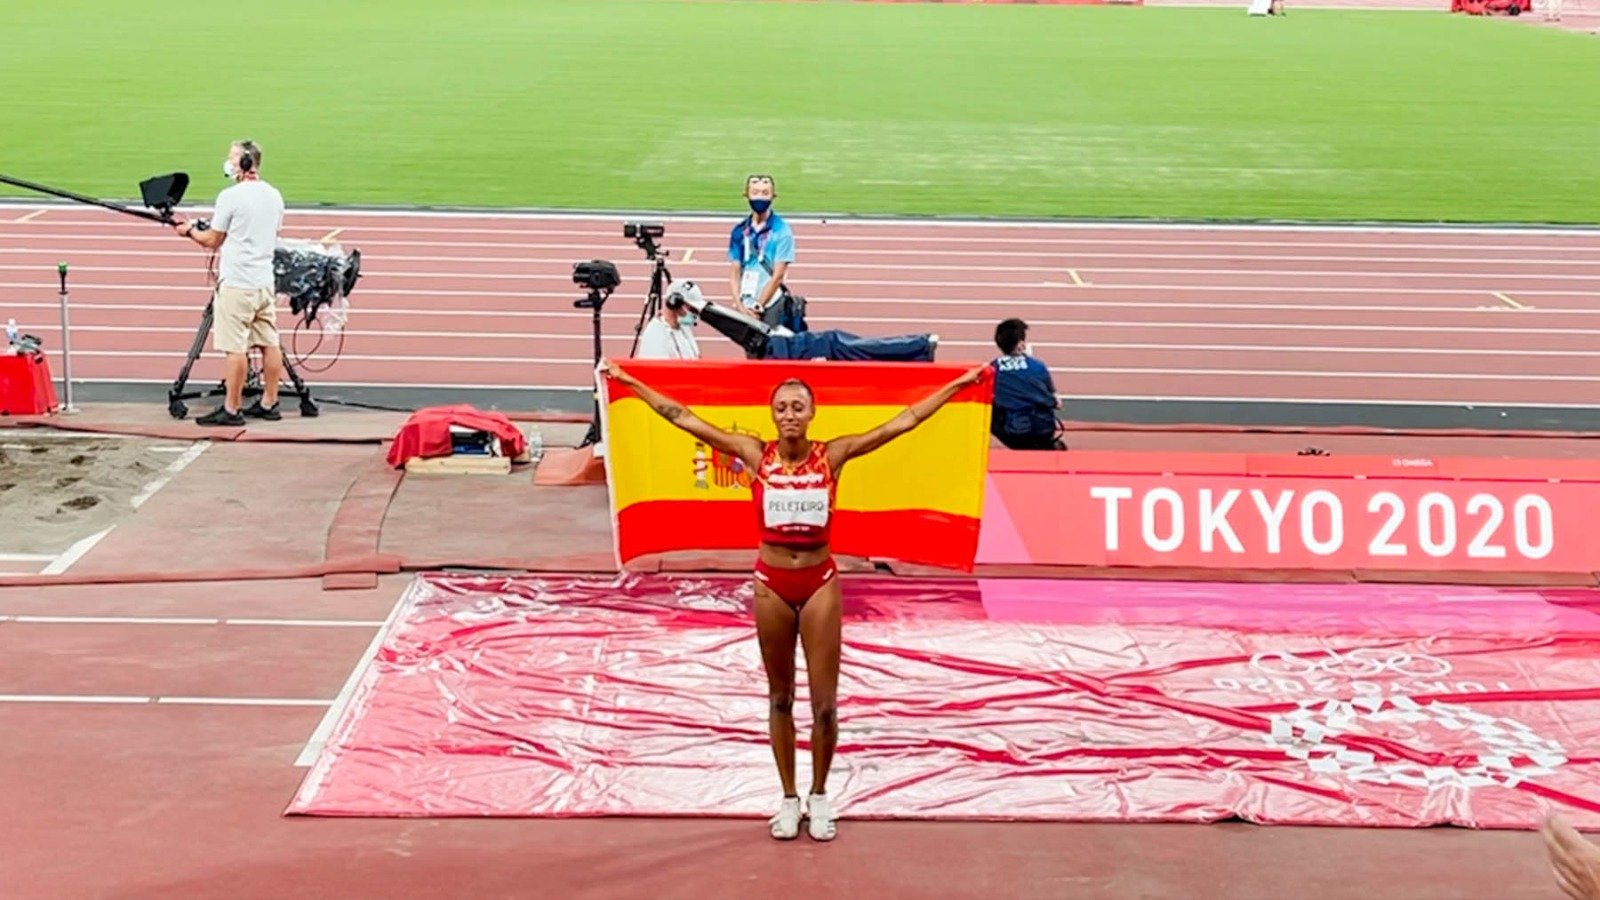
(244, 318)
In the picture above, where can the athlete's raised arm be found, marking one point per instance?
(842, 450)
(742, 446)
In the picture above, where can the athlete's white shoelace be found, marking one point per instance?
(819, 815)
(786, 824)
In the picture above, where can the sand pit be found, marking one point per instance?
(56, 491)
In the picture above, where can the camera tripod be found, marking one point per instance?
(595, 300)
(660, 277)
(252, 382)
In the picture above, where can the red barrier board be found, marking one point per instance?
(1245, 512)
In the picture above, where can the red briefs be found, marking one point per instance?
(796, 586)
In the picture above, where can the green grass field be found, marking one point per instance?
(909, 109)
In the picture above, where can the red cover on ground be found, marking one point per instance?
(26, 388)
(427, 432)
(1287, 704)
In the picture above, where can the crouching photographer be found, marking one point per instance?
(1025, 400)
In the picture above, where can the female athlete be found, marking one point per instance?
(793, 484)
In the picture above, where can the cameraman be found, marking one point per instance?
(669, 334)
(760, 249)
(1025, 400)
(245, 226)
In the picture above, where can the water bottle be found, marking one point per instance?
(11, 336)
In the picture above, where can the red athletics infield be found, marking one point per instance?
(1008, 700)
(485, 300)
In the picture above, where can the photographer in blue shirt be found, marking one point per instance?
(1025, 400)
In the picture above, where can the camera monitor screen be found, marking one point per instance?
(163, 192)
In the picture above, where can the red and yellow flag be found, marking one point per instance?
(918, 499)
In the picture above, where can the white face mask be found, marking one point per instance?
(228, 171)
(687, 319)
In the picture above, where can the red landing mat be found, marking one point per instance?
(1333, 705)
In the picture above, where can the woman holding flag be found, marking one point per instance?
(794, 483)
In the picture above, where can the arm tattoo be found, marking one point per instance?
(669, 411)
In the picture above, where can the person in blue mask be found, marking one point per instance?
(760, 249)
(1025, 401)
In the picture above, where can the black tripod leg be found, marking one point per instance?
(592, 436)
(175, 405)
(308, 407)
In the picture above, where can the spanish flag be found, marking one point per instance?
(918, 499)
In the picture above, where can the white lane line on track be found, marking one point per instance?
(74, 553)
(319, 736)
(876, 257)
(307, 623)
(579, 390)
(241, 701)
(27, 619)
(522, 337)
(1499, 326)
(71, 698)
(608, 218)
(526, 276)
(1465, 293)
(170, 472)
(1067, 371)
(107, 620)
(139, 700)
(571, 362)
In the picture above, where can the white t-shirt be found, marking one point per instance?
(250, 212)
(659, 340)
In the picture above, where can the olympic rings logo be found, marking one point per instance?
(1363, 662)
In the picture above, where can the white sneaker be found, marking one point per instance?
(786, 824)
(819, 818)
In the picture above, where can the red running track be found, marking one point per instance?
(1126, 312)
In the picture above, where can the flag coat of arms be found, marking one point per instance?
(918, 499)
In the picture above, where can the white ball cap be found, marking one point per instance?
(687, 293)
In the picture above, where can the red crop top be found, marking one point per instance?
(794, 506)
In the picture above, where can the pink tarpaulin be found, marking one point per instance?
(1335, 705)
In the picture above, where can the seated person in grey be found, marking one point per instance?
(763, 341)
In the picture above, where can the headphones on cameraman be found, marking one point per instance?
(675, 296)
(247, 156)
